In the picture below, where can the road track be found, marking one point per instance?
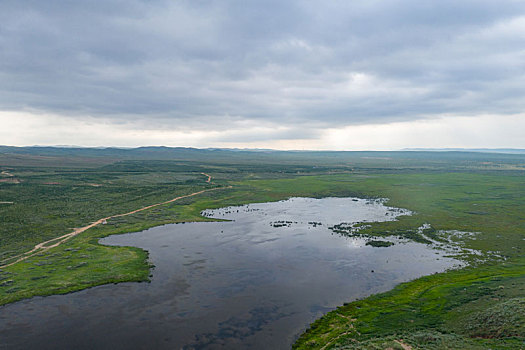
(209, 177)
(55, 242)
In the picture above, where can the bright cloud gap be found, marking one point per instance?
(488, 131)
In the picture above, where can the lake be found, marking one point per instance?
(255, 282)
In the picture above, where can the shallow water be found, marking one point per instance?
(255, 282)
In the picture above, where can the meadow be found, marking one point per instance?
(482, 194)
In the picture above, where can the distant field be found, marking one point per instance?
(59, 189)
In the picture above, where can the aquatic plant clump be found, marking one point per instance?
(377, 244)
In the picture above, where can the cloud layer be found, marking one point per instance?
(303, 65)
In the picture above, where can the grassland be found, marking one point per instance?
(480, 306)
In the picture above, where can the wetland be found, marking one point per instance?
(256, 279)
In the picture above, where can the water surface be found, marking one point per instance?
(255, 282)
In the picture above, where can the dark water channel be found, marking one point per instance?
(253, 283)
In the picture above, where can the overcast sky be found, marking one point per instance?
(270, 74)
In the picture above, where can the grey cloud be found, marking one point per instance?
(201, 63)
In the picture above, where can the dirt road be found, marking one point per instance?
(209, 177)
(55, 242)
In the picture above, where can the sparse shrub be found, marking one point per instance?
(505, 319)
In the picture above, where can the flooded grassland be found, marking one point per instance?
(254, 281)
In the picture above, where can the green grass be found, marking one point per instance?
(467, 308)
(49, 203)
(432, 303)
(444, 201)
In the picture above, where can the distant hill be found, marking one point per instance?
(82, 156)
(483, 150)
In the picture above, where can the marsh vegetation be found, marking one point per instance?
(474, 200)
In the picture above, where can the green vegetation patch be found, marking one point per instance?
(378, 244)
(505, 319)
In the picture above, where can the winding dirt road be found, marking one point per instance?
(209, 177)
(55, 242)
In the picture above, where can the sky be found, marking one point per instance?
(287, 74)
